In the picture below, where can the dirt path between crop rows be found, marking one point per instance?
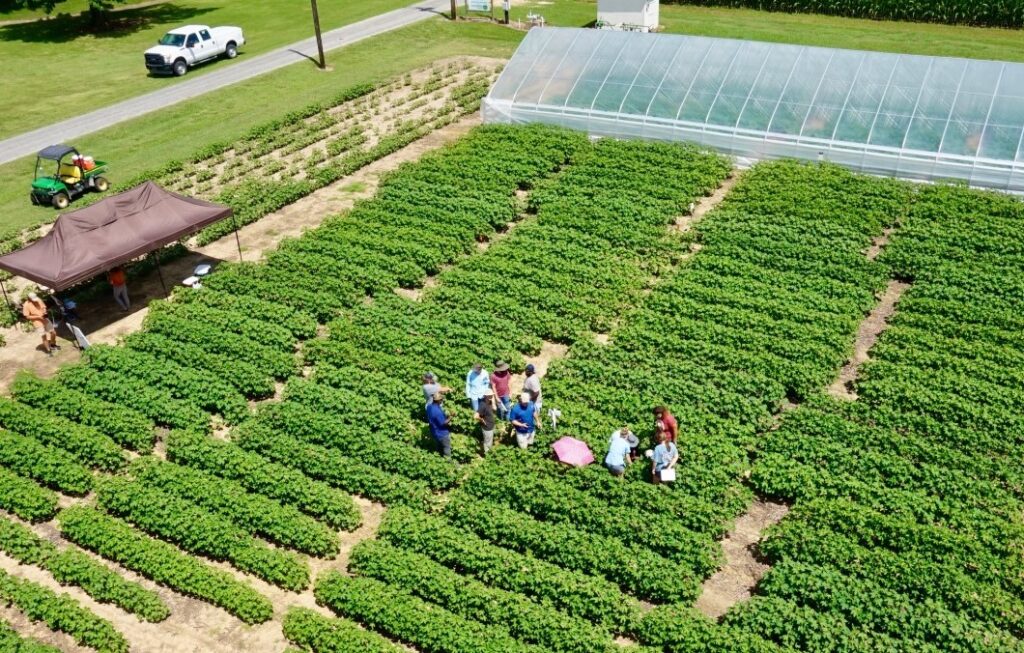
(867, 335)
(194, 626)
(734, 582)
(104, 325)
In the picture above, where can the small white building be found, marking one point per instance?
(632, 15)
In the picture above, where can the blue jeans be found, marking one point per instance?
(504, 406)
(616, 470)
(444, 443)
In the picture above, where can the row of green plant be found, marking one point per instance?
(11, 641)
(525, 620)
(259, 475)
(284, 525)
(314, 632)
(61, 613)
(200, 531)
(87, 445)
(401, 615)
(127, 427)
(906, 522)
(162, 563)
(72, 567)
(334, 468)
(187, 384)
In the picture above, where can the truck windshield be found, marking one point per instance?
(177, 40)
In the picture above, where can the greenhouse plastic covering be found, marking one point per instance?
(902, 115)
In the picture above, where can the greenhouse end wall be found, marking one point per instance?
(926, 118)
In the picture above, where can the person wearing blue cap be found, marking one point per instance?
(439, 425)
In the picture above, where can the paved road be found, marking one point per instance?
(222, 75)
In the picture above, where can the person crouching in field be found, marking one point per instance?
(618, 453)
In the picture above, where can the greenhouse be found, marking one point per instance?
(908, 116)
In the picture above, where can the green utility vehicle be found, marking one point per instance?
(59, 180)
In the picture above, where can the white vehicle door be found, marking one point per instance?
(195, 47)
(209, 45)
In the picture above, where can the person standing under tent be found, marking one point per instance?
(666, 455)
(532, 385)
(669, 422)
(617, 458)
(439, 425)
(35, 311)
(523, 417)
(119, 282)
(477, 382)
(485, 416)
(500, 379)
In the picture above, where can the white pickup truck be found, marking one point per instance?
(184, 47)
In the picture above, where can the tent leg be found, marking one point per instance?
(234, 222)
(160, 271)
(7, 300)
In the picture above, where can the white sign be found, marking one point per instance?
(479, 5)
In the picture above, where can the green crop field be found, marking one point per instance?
(257, 446)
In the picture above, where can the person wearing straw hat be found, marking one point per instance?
(500, 378)
(35, 311)
(485, 416)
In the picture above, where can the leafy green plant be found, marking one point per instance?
(61, 613)
(162, 563)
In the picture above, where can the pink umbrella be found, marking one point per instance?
(572, 452)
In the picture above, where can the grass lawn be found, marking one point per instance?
(57, 67)
(144, 143)
(806, 29)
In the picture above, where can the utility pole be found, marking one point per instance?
(319, 39)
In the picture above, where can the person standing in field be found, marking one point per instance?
(478, 381)
(618, 453)
(431, 387)
(119, 282)
(485, 416)
(532, 385)
(669, 422)
(439, 425)
(34, 310)
(666, 455)
(500, 379)
(523, 417)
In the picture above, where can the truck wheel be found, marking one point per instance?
(179, 68)
(100, 184)
(60, 201)
(231, 51)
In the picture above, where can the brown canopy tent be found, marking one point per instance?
(92, 240)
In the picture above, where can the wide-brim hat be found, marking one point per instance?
(501, 366)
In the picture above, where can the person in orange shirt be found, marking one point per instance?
(119, 281)
(35, 312)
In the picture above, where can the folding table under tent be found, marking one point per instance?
(111, 232)
(908, 116)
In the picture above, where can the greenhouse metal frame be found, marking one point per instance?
(907, 116)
